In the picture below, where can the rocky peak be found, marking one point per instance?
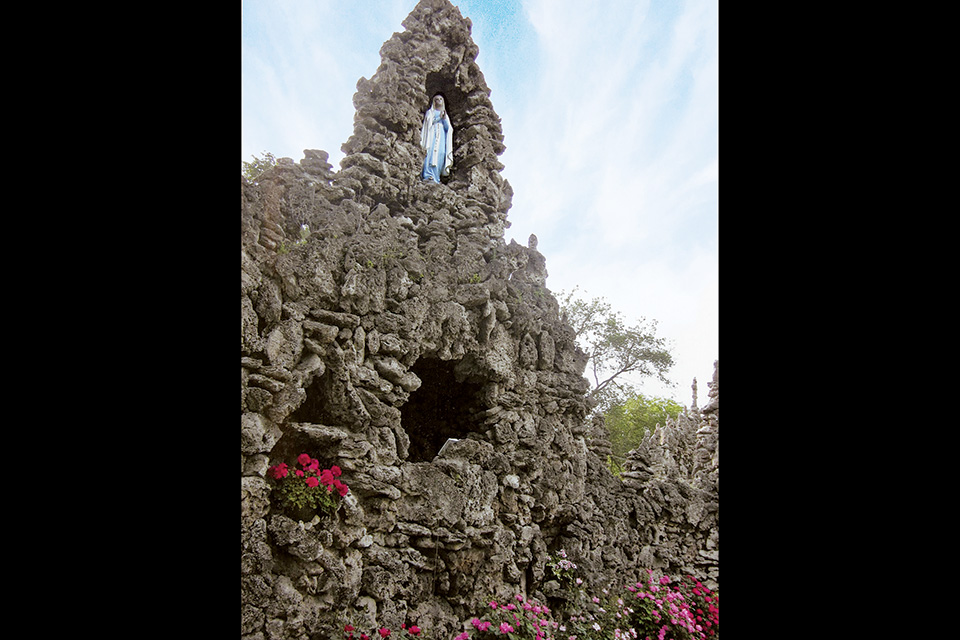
(435, 54)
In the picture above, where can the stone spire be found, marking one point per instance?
(435, 54)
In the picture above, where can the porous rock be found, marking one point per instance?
(408, 343)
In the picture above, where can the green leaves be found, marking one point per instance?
(308, 488)
(615, 348)
(629, 420)
(252, 170)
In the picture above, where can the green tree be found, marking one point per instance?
(629, 421)
(252, 170)
(615, 349)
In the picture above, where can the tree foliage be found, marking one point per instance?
(630, 421)
(615, 349)
(252, 170)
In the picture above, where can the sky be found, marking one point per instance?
(609, 110)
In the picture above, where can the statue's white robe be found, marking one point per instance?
(436, 139)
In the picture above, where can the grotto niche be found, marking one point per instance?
(441, 409)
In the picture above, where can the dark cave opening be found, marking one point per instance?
(442, 408)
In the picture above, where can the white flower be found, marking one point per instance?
(596, 626)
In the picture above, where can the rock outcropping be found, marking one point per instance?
(406, 342)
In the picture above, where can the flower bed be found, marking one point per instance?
(661, 609)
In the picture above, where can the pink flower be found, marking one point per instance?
(664, 580)
(348, 628)
(462, 636)
(312, 481)
(493, 604)
(303, 459)
(505, 628)
(298, 473)
(314, 465)
(279, 471)
(414, 629)
(384, 633)
(336, 471)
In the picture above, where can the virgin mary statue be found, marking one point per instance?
(436, 139)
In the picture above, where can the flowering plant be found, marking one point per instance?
(307, 487)
(383, 633)
(659, 609)
(656, 610)
(599, 619)
(518, 618)
(563, 569)
(705, 604)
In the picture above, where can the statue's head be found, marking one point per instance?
(438, 102)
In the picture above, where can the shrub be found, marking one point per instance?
(661, 611)
(705, 604)
(252, 170)
(656, 610)
(413, 631)
(518, 618)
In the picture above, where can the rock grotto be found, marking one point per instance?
(406, 342)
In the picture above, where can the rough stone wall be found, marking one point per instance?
(404, 321)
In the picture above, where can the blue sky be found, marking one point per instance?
(610, 117)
